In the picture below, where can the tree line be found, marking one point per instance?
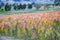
(15, 6)
(8, 7)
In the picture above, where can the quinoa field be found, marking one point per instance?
(31, 26)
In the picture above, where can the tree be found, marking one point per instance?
(37, 6)
(15, 6)
(57, 2)
(1, 9)
(29, 6)
(7, 7)
(46, 6)
(19, 6)
(24, 6)
(0, 6)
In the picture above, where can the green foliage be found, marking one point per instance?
(7, 7)
(56, 22)
(15, 6)
(29, 6)
(24, 6)
(19, 6)
(56, 29)
(0, 6)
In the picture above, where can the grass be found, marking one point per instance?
(21, 11)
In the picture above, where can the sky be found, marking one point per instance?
(14, 0)
(26, 0)
(17, 0)
(38, 1)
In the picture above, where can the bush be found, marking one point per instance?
(7, 7)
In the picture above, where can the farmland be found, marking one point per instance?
(31, 26)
